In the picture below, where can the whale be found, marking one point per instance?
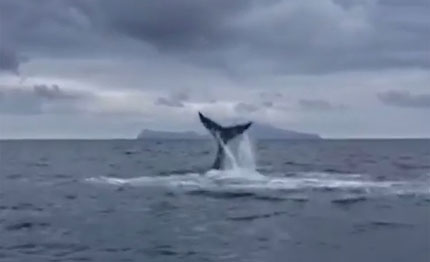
(222, 135)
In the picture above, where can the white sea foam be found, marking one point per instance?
(243, 180)
(242, 175)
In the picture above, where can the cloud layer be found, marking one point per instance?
(288, 36)
(292, 63)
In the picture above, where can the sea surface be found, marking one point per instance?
(151, 200)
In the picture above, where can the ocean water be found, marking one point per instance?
(133, 200)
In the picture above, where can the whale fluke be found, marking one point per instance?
(224, 133)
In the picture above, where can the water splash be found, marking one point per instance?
(244, 158)
(229, 157)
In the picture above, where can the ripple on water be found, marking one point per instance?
(22, 207)
(346, 201)
(255, 216)
(26, 226)
(57, 249)
(379, 224)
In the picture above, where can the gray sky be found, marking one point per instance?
(108, 68)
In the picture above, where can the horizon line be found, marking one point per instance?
(203, 138)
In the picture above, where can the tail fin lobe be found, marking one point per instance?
(225, 133)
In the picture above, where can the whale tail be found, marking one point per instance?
(225, 134)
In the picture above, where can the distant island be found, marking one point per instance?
(256, 131)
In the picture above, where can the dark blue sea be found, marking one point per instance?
(152, 200)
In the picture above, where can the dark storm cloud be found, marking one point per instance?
(289, 36)
(183, 25)
(46, 27)
(9, 60)
(292, 36)
(318, 105)
(405, 99)
(53, 92)
(40, 99)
